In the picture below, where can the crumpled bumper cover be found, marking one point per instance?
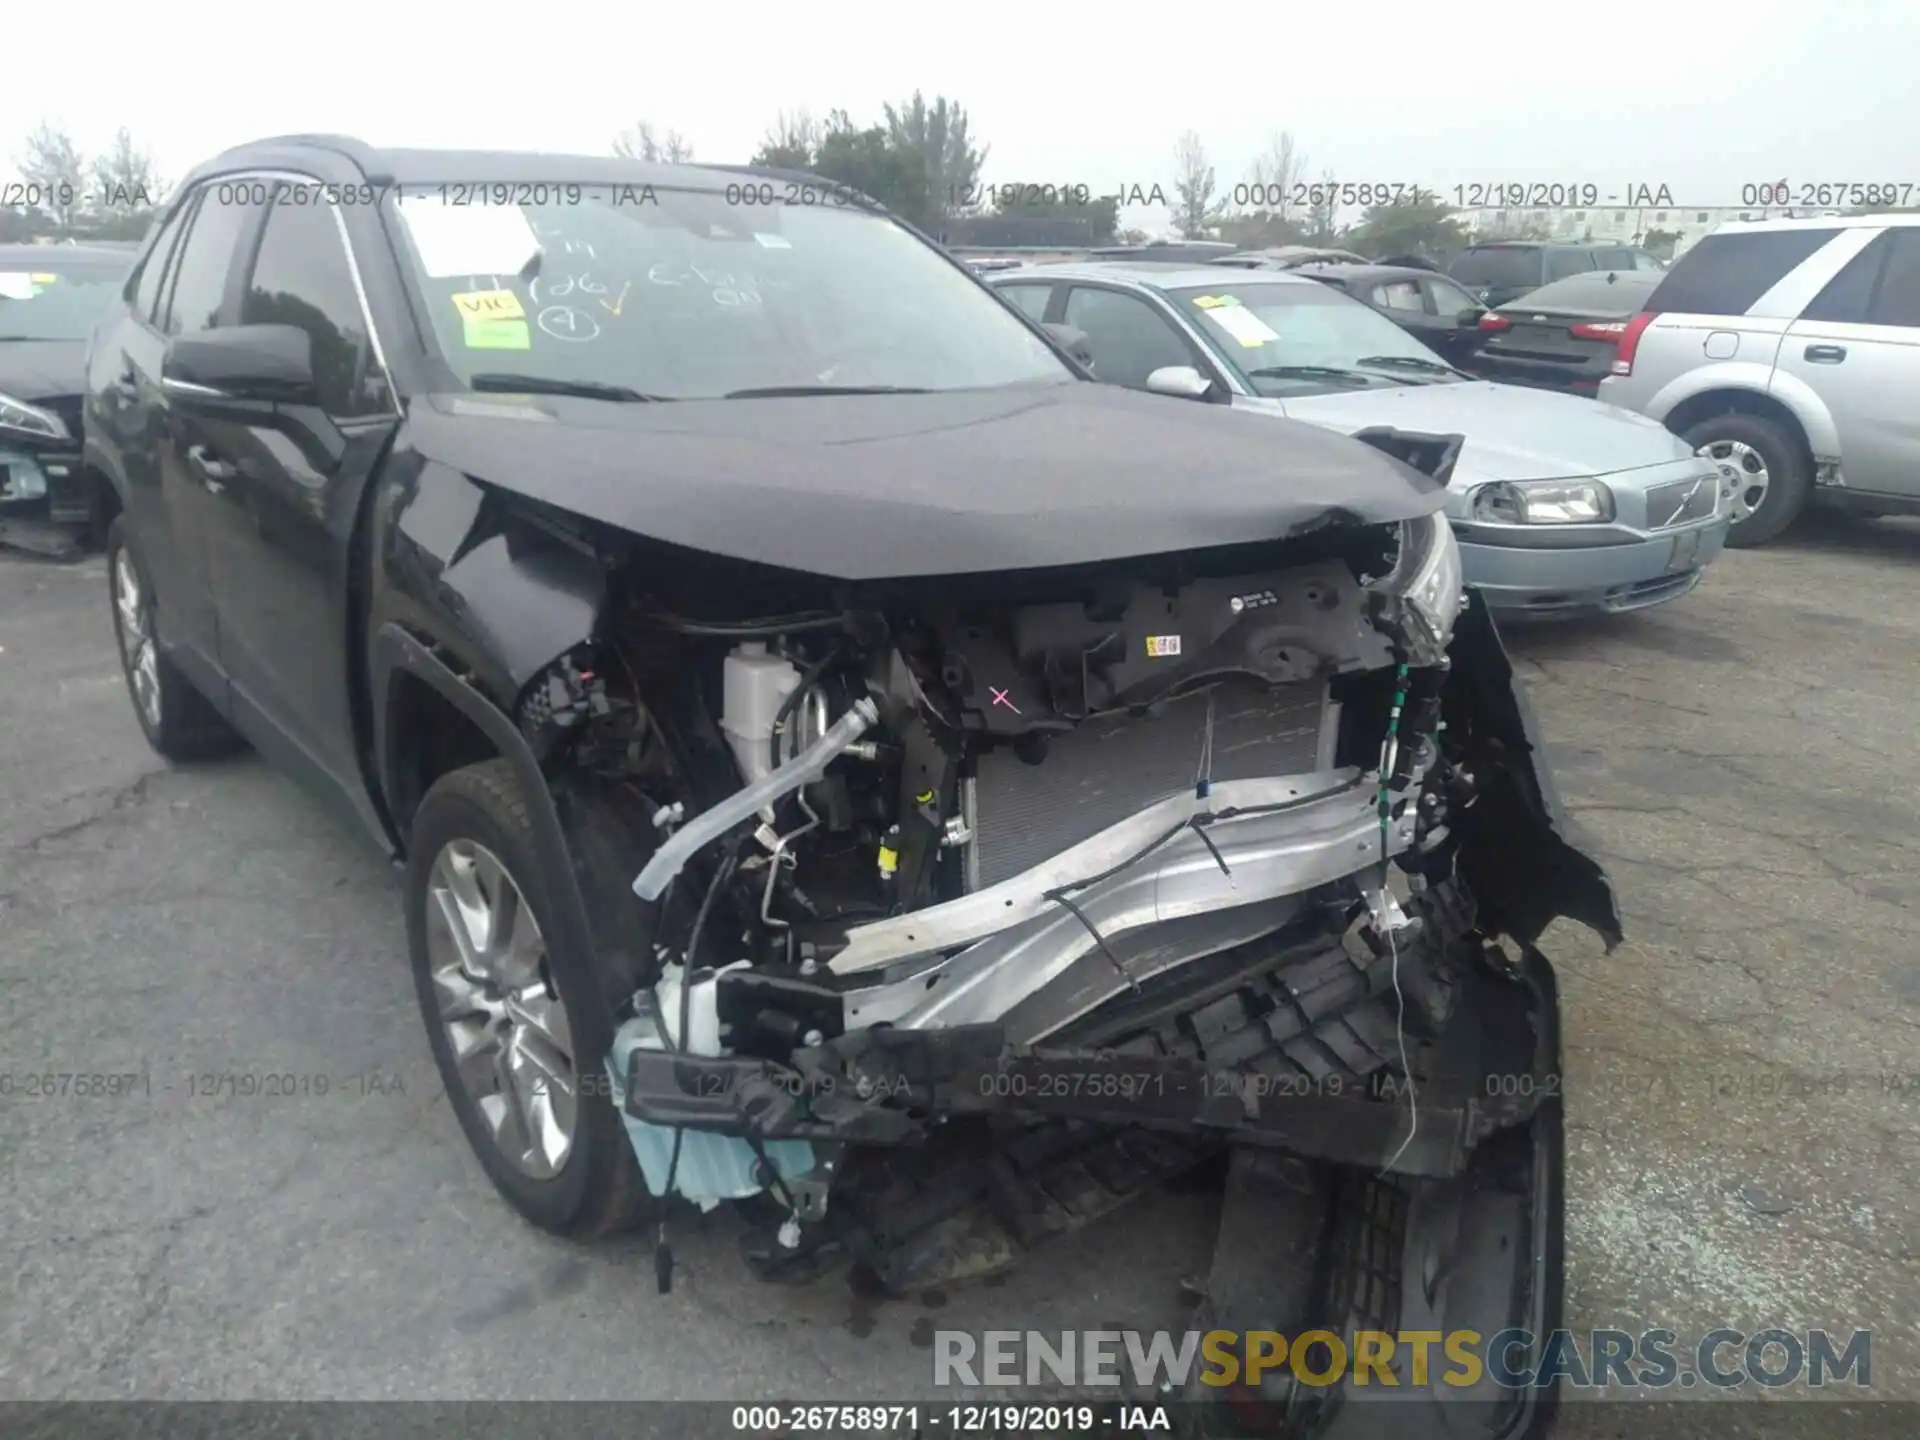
(1297, 1067)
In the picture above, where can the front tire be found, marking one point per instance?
(178, 721)
(500, 1015)
(1769, 474)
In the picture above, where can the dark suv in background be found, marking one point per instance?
(50, 297)
(1503, 270)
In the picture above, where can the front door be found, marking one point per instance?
(290, 479)
(197, 296)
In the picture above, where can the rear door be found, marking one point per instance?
(1857, 346)
(291, 478)
(1448, 304)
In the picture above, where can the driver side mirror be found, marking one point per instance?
(242, 362)
(1181, 381)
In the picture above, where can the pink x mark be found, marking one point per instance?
(1000, 698)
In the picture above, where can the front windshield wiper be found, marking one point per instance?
(502, 382)
(1315, 372)
(768, 392)
(1410, 362)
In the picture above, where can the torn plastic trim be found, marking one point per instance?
(809, 765)
(1327, 837)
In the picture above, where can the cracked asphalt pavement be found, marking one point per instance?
(1742, 1075)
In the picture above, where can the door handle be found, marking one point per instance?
(1826, 354)
(212, 470)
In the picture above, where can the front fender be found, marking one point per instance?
(501, 593)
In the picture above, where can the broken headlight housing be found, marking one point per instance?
(1428, 584)
(1543, 502)
(27, 419)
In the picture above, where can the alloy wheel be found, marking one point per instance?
(1743, 474)
(504, 1020)
(135, 629)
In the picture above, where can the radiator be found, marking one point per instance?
(1107, 769)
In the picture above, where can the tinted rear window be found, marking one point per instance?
(1724, 274)
(1504, 265)
(1591, 292)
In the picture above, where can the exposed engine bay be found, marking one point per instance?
(1241, 847)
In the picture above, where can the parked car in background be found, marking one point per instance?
(1563, 336)
(1428, 306)
(1562, 506)
(50, 297)
(1503, 270)
(1789, 351)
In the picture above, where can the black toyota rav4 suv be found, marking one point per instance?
(842, 760)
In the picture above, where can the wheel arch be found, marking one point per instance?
(1691, 411)
(423, 703)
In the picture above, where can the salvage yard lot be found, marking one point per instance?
(1743, 1074)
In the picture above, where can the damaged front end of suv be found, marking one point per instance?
(971, 904)
(978, 903)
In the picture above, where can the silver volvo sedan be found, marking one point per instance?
(1562, 505)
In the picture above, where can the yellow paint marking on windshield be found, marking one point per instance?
(619, 300)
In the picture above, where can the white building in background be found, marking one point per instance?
(1628, 226)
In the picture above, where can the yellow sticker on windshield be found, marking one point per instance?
(489, 305)
(1207, 302)
(41, 278)
(488, 334)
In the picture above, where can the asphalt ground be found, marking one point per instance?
(1743, 1074)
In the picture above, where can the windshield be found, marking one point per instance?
(681, 295)
(1305, 338)
(1503, 265)
(55, 301)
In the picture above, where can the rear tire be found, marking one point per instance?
(178, 721)
(562, 1160)
(1770, 473)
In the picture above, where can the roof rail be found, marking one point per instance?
(362, 154)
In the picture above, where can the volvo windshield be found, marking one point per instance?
(1292, 338)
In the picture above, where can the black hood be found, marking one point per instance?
(43, 369)
(865, 487)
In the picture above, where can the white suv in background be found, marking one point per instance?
(1789, 352)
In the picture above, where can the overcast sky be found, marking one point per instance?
(1697, 95)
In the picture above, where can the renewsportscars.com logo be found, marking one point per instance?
(1415, 1359)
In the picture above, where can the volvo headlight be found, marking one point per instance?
(1543, 502)
(30, 419)
(1426, 588)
